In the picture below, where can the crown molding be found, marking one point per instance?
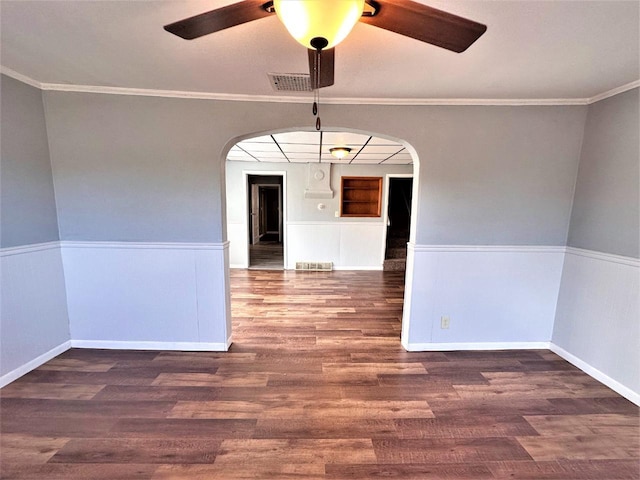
(20, 77)
(59, 87)
(615, 91)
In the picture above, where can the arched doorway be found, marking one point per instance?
(320, 226)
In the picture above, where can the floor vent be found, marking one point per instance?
(314, 266)
(290, 82)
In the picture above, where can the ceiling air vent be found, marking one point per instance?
(290, 82)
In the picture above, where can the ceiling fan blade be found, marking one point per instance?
(219, 19)
(424, 23)
(327, 67)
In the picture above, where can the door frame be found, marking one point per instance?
(283, 210)
(385, 218)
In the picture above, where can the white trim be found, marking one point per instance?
(230, 97)
(607, 257)
(148, 245)
(368, 267)
(490, 248)
(447, 347)
(143, 92)
(614, 385)
(614, 91)
(16, 373)
(34, 247)
(20, 77)
(140, 345)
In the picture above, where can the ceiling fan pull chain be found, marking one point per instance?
(316, 92)
(316, 108)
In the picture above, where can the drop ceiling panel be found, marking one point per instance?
(397, 161)
(259, 147)
(381, 141)
(298, 155)
(372, 156)
(339, 139)
(270, 155)
(298, 137)
(299, 148)
(388, 149)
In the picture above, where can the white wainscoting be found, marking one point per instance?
(238, 236)
(497, 297)
(148, 295)
(348, 245)
(34, 324)
(597, 325)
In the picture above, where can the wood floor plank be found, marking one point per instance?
(319, 428)
(79, 409)
(77, 365)
(21, 448)
(138, 451)
(316, 385)
(76, 471)
(566, 470)
(449, 450)
(251, 379)
(581, 447)
(295, 451)
(463, 427)
(603, 424)
(261, 471)
(51, 391)
(54, 426)
(400, 368)
(174, 428)
(409, 471)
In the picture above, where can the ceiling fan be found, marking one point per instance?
(320, 25)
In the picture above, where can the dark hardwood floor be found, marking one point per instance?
(316, 385)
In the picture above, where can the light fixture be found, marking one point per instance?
(319, 24)
(340, 152)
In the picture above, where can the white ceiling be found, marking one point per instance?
(313, 147)
(532, 50)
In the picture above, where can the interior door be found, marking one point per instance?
(263, 211)
(255, 214)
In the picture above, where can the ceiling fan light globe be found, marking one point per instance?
(328, 19)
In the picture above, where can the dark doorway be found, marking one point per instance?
(265, 222)
(399, 223)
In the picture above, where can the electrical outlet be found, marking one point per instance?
(336, 214)
(444, 322)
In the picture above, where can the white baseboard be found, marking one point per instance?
(448, 347)
(362, 268)
(132, 345)
(33, 364)
(597, 374)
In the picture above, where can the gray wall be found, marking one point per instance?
(597, 312)
(150, 169)
(33, 306)
(606, 208)
(28, 209)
